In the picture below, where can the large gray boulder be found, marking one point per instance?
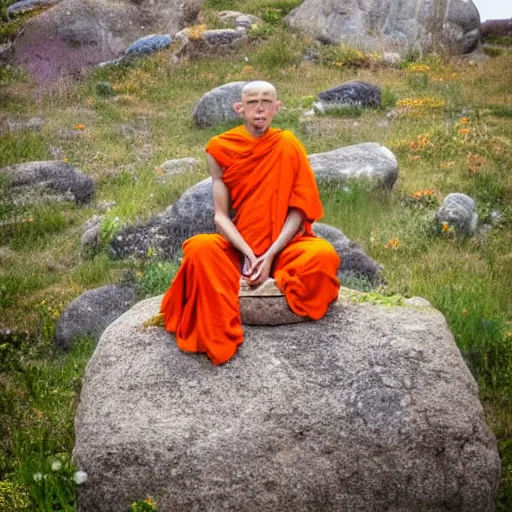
(193, 214)
(353, 94)
(216, 106)
(52, 180)
(75, 34)
(369, 162)
(92, 312)
(453, 25)
(458, 211)
(369, 409)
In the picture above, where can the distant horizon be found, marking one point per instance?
(494, 9)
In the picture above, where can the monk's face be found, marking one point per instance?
(258, 108)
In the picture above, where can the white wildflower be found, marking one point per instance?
(37, 477)
(80, 477)
(56, 465)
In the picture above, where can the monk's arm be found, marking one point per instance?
(221, 203)
(260, 270)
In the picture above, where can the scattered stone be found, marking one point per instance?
(24, 6)
(216, 106)
(92, 312)
(311, 55)
(353, 94)
(397, 25)
(68, 134)
(245, 21)
(77, 34)
(233, 16)
(34, 124)
(208, 42)
(391, 58)
(418, 302)
(179, 166)
(368, 161)
(6, 52)
(265, 305)
(458, 211)
(105, 206)
(371, 408)
(33, 182)
(354, 261)
(148, 45)
(91, 234)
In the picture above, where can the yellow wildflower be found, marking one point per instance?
(79, 126)
(394, 244)
(464, 131)
(446, 227)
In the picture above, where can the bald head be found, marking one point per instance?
(256, 86)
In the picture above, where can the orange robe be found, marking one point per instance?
(265, 176)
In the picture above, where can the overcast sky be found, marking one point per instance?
(494, 9)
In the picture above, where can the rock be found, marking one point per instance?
(394, 25)
(369, 409)
(216, 106)
(6, 51)
(179, 166)
(368, 161)
(265, 305)
(354, 261)
(208, 42)
(418, 302)
(91, 234)
(391, 58)
(245, 21)
(92, 312)
(24, 6)
(34, 182)
(193, 214)
(458, 211)
(34, 124)
(355, 93)
(76, 34)
(492, 29)
(233, 16)
(148, 45)
(105, 206)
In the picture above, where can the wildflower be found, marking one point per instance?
(419, 68)
(30, 219)
(446, 227)
(80, 477)
(421, 142)
(56, 465)
(37, 477)
(464, 121)
(464, 312)
(447, 165)
(394, 243)
(139, 274)
(339, 64)
(159, 171)
(79, 126)
(65, 159)
(474, 162)
(247, 69)
(464, 131)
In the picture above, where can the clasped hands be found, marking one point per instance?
(256, 270)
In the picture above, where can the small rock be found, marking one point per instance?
(92, 312)
(24, 6)
(232, 16)
(244, 21)
(179, 165)
(355, 93)
(34, 124)
(216, 106)
(148, 45)
(458, 211)
(391, 58)
(91, 234)
(105, 206)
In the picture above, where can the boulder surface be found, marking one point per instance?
(368, 161)
(458, 211)
(33, 182)
(92, 312)
(398, 25)
(369, 409)
(75, 34)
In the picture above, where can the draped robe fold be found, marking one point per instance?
(265, 177)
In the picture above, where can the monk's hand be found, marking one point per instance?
(260, 270)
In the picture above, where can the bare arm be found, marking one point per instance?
(260, 269)
(221, 204)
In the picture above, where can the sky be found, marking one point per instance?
(494, 9)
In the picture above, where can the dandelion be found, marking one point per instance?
(339, 64)
(37, 477)
(419, 68)
(446, 227)
(79, 127)
(56, 465)
(394, 244)
(80, 477)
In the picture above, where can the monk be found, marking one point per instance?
(263, 175)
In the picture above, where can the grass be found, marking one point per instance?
(448, 123)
